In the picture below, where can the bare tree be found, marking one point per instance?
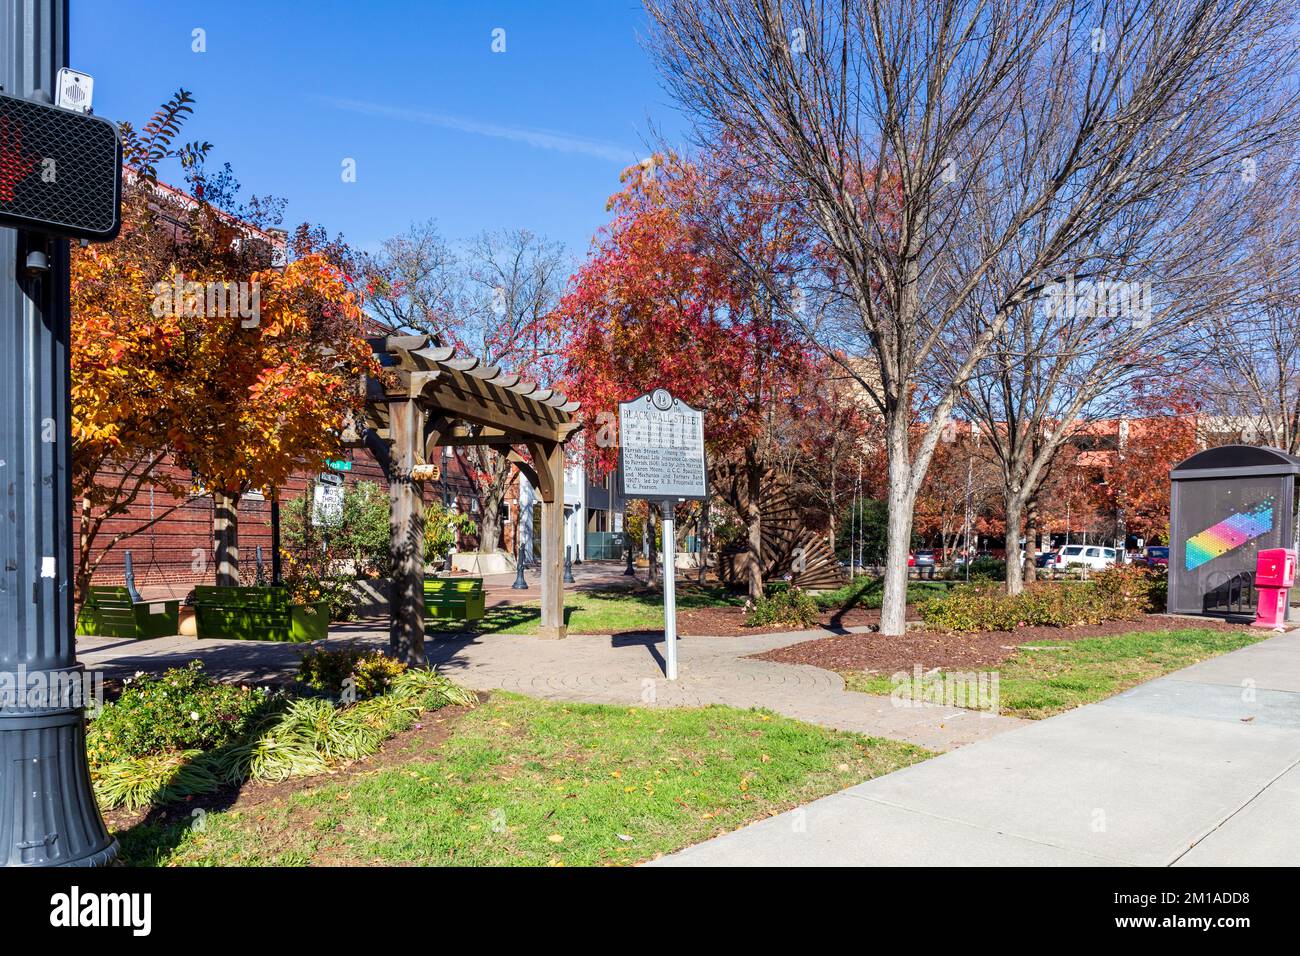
(488, 300)
(1251, 381)
(515, 279)
(901, 121)
(1121, 314)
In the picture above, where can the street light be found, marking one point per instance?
(60, 177)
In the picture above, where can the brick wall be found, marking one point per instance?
(177, 552)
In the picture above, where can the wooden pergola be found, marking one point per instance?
(426, 397)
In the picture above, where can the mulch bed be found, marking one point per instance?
(975, 650)
(421, 742)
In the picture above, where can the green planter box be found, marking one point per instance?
(457, 599)
(110, 612)
(311, 622)
(257, 614)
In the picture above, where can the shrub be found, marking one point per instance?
(1115, 594)
(181, 709)
(788, 605)
(371, 671)
(1132, 589)
(986, 569)
(357, 536)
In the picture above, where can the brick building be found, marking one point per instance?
(176, 551)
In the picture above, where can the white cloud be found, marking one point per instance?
(537, 138)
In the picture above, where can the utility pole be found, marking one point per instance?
(48, 814)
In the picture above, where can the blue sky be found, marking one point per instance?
(439, 125)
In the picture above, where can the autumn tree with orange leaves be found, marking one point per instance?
(192, 347)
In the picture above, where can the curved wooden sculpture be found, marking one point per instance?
(794, 542)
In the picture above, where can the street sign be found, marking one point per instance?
(343, 464)
(661, 449)
(60, 171)
(327, 505)
(661, 458)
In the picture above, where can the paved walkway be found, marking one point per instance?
(1201, 767)
(597, 669)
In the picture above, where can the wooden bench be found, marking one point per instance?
(457, 599)
(257, 614)
(110, 612)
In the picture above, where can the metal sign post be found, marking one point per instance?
(661, 459)
(670, 590)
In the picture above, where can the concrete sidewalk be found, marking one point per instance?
(1201, 767)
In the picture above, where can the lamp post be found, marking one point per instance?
(48, 814)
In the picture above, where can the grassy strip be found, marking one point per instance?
(529, 782)
(609, 612)
(308, 737)
(593, 612)
(1055, 676)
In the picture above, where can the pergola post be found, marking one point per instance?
(548, 457)
(406, 534)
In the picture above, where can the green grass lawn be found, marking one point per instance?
(528, 782)
(1054, 676)
(594, 612)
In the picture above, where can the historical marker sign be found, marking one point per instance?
(661, 458)
(661, 449)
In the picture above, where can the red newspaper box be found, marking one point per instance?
(1274, 574)
(1275, 568)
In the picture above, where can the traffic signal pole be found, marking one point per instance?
(48, 814)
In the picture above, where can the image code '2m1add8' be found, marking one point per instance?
(60, 171)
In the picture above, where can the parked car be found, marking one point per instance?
(1154, 556)
(960, 560)
(1045, 559)
(924, 561)
(1093, 556)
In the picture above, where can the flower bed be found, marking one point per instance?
(182, 733)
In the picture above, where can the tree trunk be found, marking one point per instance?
(491, 500)
(490, 524)
(754, 524)
(1015, 574)
(902, 503)
(81, 584)
(652, 570)
(702, 539)
(1031, 542)
(225, 537)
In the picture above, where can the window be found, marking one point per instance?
(1109, 552)
(1093, 553)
